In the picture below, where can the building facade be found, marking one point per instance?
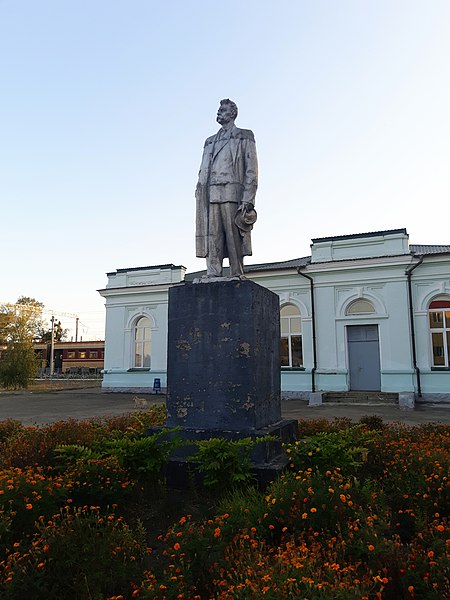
(366, 311)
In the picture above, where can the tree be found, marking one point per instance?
(59, 334)
(20, 324)
(19, 364)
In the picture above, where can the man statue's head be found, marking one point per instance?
(227, 112)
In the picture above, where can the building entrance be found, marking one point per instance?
(364, 357)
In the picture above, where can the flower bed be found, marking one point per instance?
(362, 512)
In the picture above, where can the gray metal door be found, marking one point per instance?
(364, 357)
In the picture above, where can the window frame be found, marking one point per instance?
(292, 336)
(146, 339)
(444, 331)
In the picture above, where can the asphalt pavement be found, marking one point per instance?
(46, 407)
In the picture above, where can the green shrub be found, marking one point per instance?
(145, 455)
(224, 463)
(346, 449)
(78, 555)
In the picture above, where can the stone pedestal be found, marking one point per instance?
(223, 370)
(223, 374)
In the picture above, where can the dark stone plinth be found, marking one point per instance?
(223, 370)
(268, 457)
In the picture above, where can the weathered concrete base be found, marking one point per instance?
(295, 395)
(223, 373)
(267, 457)
(316, 398)
(428, 398)
(407, 400)
(223, 368)
(134, 390)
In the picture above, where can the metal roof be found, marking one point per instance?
(429, 249)
(274, 266)
(353, 236)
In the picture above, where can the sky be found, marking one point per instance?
(105, 106)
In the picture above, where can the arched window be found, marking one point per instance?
(439, 321)
(291, 337)
(142, 343)
(360, 307)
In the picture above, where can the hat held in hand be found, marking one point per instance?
(245, 218)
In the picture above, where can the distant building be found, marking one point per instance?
(366, 311)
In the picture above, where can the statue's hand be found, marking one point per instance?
(247, 206)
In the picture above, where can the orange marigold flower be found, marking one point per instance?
(440, 528)
(343, 498)
(430, 554)
(176, 546)
(217, 532)
(182, 520)
(41, 565)
(28, 506)
(410, 589)
(371, 548)
(313, 510)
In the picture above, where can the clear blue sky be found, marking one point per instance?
(105, 105)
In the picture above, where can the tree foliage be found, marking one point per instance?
(18, 365)
(59, 334)
(20, 326)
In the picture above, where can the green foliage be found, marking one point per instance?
(19, 326)
(345, 448)
(319, 532)
(372, 422)
(144, 455)
(309, 427)
(79, 555)
(9, 428)
(224, 463)
(71, 453)
(59, 334)
(19, 365)
(98, 481)
(26, 494)
(21, 446)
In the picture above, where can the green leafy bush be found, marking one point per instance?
(345, 448)
(79, 554)
(145, 455)
(224, 463)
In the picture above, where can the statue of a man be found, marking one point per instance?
(225, 195)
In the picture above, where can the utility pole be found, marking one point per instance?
(52, 347)
(76, 329)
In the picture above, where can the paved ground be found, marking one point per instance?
(46, 407)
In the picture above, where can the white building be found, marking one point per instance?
(364, 312)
